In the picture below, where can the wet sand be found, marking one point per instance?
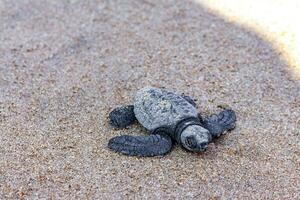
(65, 64)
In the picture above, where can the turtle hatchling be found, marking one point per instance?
(170, 118)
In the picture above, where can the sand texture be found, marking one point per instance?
(65, 64)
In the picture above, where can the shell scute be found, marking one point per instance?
(155, 108)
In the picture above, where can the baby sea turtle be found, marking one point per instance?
(170, 118)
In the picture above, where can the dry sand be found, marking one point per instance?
(65, 64)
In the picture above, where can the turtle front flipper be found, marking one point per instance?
(122, 116)
(142, 146)
(219, 123)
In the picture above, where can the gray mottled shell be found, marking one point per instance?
(155, 108)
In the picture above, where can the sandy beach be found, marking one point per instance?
(64, 65)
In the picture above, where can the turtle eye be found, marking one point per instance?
(191, 142)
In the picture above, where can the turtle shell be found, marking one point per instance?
(155, 108)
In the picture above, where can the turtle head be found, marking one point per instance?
(195, 138)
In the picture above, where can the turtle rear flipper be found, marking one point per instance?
(122, 116)
(189, 99)
(143, 146)
(219, 123)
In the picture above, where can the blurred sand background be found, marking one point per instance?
(65, 64)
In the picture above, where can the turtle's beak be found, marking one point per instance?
(195, 138)
(196, 142)
(202, 146)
